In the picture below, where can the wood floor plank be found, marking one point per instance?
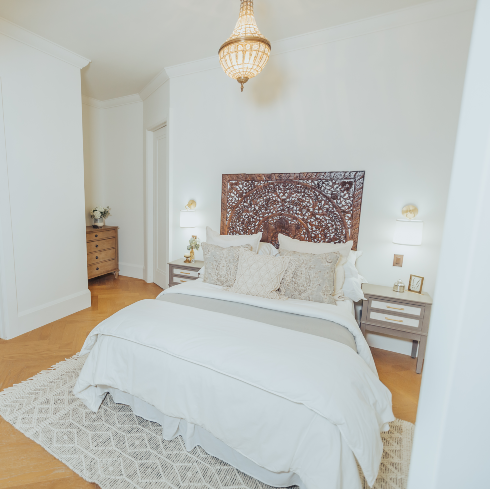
(25, 464)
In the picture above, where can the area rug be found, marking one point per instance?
(117, 449)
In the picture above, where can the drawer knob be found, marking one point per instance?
(96, 256)
(393, 308)
(96, 236)
(97, 269)
(96, 246)
(393, 320)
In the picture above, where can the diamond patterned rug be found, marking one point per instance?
(117, 449)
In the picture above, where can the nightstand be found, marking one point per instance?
(404, 315)
(179, 271)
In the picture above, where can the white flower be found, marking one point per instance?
(97, 214)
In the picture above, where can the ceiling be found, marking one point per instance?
(131, 41)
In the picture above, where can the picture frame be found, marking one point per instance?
(415, 284)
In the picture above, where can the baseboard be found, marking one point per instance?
(393, 344)
(50, 312)
(132, 270)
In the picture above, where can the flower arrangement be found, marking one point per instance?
(194, 243)
(100, 213)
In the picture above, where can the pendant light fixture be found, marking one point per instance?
(246, 51)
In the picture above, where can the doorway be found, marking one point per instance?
(160, 212)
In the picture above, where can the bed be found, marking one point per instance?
(285, 391)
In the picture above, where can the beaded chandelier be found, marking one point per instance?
(246, 51)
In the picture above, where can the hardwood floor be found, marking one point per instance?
(25, 464)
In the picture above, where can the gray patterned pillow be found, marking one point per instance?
(221, 264)
(313, 276)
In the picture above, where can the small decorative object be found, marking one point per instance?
(187, 258)
(398, 260)
(399, 287)
(99, 214)
(415, 284)
(194, 243)
(245, 53)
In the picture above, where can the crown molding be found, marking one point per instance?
(110, 103)
(154, 84)
(24, 36)
(390, 20)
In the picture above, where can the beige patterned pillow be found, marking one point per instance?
(260, 275)
(221, 264)
(313, 277)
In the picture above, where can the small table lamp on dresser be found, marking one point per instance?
(404, 315)
(102, 253)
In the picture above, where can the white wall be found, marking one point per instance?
(453, 428)
(93, 155)
(386, 102)
(114, 175)
(43, 269)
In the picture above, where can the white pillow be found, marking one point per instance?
(352, 287)
(259, 275)
(267, 249)
(292, 245)
(214, 238)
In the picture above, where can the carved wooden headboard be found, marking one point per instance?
(314, 206)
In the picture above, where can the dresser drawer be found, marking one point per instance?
(101, 245)
(394, 308)
(101, 235)
(389, 319)
(186, 272)
(96, 257)
(101, 268)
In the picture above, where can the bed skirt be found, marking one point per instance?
(194, 435)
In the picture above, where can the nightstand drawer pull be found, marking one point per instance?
(186, 272)
(407, 322)
(409, 310)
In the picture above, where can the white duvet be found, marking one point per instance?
(286, 400)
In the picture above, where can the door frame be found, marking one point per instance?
(151, 201)
(9, 318)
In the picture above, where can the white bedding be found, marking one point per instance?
(287, 401)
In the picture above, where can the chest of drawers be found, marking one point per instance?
(405, 315)
(102, 256)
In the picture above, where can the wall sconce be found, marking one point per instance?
(408, 231)
(188, 216)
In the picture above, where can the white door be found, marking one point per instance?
(160, 222)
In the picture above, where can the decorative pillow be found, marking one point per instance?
(293, 245)
(267, 249)
(313, 278)
(214, 238)
(260, 275)
(221, 264)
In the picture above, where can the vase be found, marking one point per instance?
(98, 223)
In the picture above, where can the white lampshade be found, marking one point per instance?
(188, 219)
(408, 232)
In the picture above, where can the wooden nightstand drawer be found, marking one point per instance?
(186, 272)
(101, 268)
(96, 257)
(180, 280)
(399, 321)
(396, 308)
(101, 245)
(101, 234)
